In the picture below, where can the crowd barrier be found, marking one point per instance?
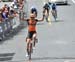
(8, 25)
(5, 28)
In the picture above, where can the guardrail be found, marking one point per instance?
(8, 25)
(5, 28)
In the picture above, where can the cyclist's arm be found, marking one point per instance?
(41, 19)
(24, 19)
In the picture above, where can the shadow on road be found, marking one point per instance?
(57, 21)
(13, 33)
(45, 58)
(51, 58)
(6, 56)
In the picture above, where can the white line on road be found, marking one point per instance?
(69, 61)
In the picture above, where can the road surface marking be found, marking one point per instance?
(69, 61)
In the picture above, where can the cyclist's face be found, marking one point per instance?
(32, 18)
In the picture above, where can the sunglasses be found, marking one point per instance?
(32, 17)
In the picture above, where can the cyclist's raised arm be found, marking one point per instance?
(24, 19)
(42, 19)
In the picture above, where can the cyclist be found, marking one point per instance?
(33, 10)
(54, 10)
(32, 28)
(46, 8)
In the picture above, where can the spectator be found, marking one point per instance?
(15, 3)
(15, 13)
(5, 11)
(5, 8)
(4, 15)
(20, 3)
(1, 19)
(0, 0)
(12, 7)
(11, 15)
(20, 6)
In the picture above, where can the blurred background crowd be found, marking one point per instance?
(9, 11)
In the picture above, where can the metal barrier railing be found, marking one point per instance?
(9, 24)
(1, 31)
(5, 28)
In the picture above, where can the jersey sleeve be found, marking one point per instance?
(27, 20)
(36, 20)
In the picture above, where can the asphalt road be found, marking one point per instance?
(56, 41)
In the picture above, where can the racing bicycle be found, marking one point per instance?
(30, 44)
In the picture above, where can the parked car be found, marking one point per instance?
(59, 1)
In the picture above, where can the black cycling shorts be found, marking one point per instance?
(30, 34)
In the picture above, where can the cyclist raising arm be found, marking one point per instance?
(33, 17)
(32, 29)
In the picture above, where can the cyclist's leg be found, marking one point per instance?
(44, 11)
(34, 35)
(29, 41)
(52, 11)
(47, 14)
(29, 48)
(55, 15)
(35, 40)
